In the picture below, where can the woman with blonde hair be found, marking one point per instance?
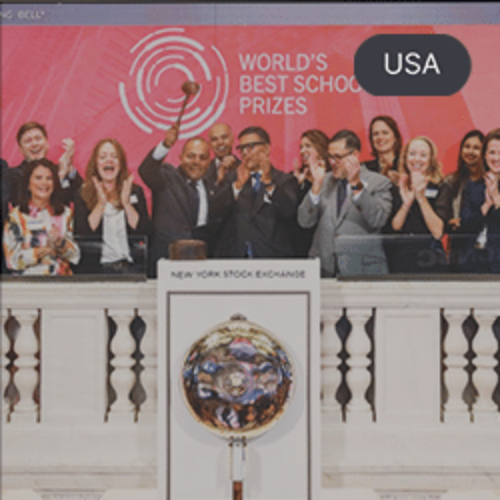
(110, 208)
(422, 209)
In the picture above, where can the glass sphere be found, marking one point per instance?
(237, 379)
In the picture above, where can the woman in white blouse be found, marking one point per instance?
(109, 208)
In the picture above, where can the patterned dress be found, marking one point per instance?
(25, 234)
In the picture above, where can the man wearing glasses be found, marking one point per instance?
(256, 202)
(350, 205)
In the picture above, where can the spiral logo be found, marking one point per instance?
(152, 95)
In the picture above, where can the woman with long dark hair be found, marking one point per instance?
(469, 166)
(313, 150)
(480, 214)
(110, 208)
(386, 143)
(38, 234)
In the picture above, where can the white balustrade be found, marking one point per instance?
(26, 376)
(149, 363)
(5, 343)
(485, 378)
(73, 444)
(122, 377)
(330, 363)
(358, 377)
(455, 376)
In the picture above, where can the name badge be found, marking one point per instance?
(134, 199)
(431, 193)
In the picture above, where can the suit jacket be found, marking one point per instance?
(349, 244)
(174, 208)
(91, 253)
(256, 220)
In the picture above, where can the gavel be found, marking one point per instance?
(189, 88)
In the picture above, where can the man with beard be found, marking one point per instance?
(221, 141)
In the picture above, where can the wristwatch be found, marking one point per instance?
(357, 187)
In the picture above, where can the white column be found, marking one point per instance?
(5, 361)
(26, 377)
(455, 376)
(485, 378)
(149, 363)
(330, 363)
(122, 377)
(358, 377)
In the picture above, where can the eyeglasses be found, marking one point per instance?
(337, 158)
(249, 146)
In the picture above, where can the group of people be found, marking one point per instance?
(387, 215)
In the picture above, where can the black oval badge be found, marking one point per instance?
(412, 65)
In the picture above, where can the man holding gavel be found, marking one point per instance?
(180, 195)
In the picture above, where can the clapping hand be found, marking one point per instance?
(126, 191)
(419, 181)
(300, 173)
(227, 163)
(242, 175)
(407, 193)
(318, 172)
(491, 182)
(54, 238)
(352, 169)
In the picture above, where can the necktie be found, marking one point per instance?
(256, 183)
(341, 195)
(196, 198)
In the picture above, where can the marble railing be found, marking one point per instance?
(410, 384)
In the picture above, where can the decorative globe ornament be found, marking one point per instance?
(237, 380)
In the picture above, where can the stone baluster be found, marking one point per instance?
(5, 361)
(122, 377)
(26, 376)
(358, 376)
(149, 363)
(330, 363)
(485, 378)
(455, 376)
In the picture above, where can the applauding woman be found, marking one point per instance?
(480, 215)
(38, 235)
(386, 143)
(110, 207)
(313, 150)
(422, 209)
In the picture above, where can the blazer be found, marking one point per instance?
(472, 223)
(349, 244)
(255, 224)
(174, 208)
(91, 256)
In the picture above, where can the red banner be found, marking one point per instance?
(89, 83)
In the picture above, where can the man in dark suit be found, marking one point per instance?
(256, 202)
(33, 143)
(180, 196)
(221, 140)
(350, 205)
